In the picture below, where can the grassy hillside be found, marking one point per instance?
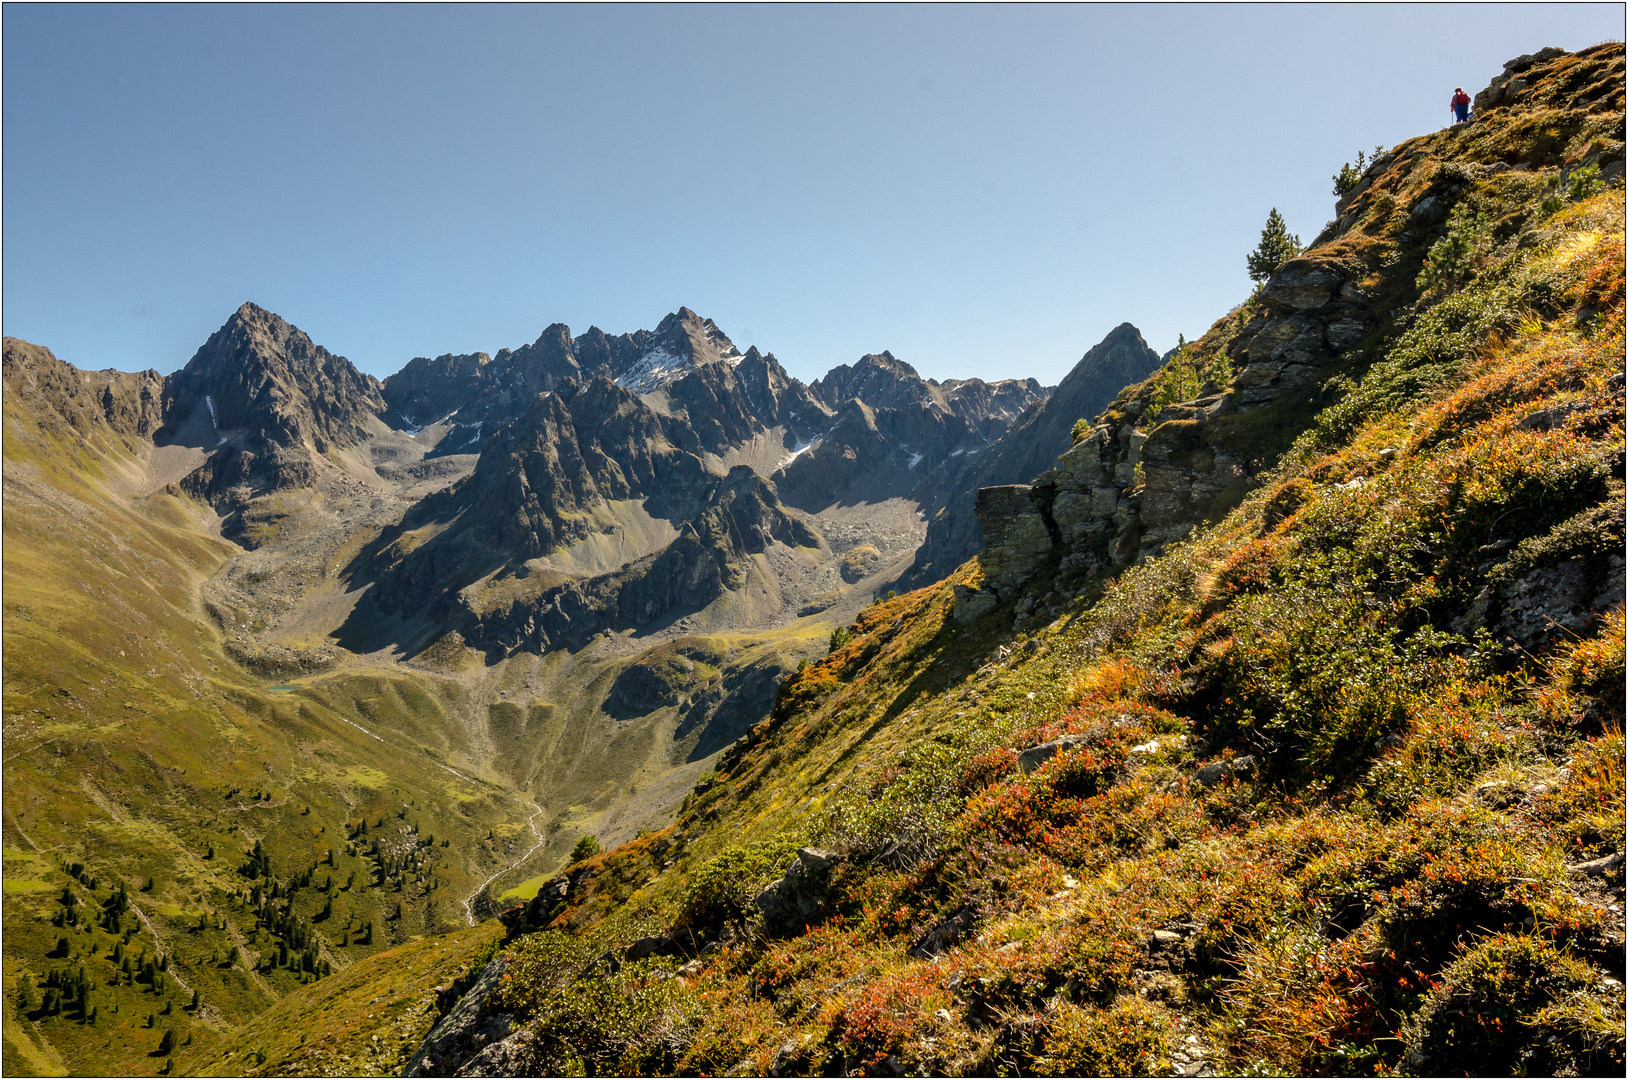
(365, 1021)
(1336, 772)
(143, 768)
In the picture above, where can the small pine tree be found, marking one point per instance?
(1277, 246)
(1451, 259)
(196, 1001)
(167, 1043)
(586, 847)
(25, 996)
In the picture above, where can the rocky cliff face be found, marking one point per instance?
(712, 403)
(740, 517)
(778, 399)
(266, 403)
(423, 386)
(1145, 477)
(263, 377)
(871, 454)
(1029, 446)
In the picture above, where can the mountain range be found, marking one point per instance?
(562, 578)
(624, 705)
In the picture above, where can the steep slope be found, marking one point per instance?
(1029, 447)
(1171, 453)
(1275, 798)
(870, 454)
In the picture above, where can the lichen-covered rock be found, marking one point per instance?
(1035, 756)
(800, 895)
(466, 1029)
(1017, 535)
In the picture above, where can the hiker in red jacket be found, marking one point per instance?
(1461, 106)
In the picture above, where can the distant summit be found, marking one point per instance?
(682, 342)
(260, 374)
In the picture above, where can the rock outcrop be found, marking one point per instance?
(1029, 447)
(778, 399)
(800, 894)
(1145, 476)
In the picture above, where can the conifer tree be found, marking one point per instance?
(1277, 246)
(167, 1043)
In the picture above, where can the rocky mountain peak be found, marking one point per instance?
(881, 379)
(259, 373)
(683, 340)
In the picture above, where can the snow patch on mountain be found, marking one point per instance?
(654, 370)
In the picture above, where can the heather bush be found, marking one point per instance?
(721, 890)
(1515, 1003)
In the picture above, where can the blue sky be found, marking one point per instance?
(982, 190)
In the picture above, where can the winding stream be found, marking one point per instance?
(531, 823)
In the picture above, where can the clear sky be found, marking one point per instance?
(983, 190)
